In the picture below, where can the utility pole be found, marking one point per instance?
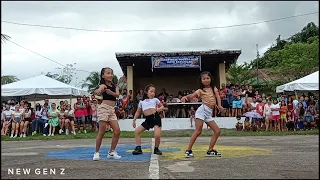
(258, 56)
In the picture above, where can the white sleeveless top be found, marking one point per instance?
(149, 104)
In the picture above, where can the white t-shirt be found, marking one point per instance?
(12, 108)
(149, 104)
(254, 105)
(7, 113)
(267, 110)
(274, 106)
(70, 113)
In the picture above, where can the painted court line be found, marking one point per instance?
(154, 164)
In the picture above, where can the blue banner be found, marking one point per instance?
(176, 62)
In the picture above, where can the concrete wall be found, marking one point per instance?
(181, 123)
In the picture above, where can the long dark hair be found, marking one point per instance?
(200, 81)
(146, 89)
(102, 81)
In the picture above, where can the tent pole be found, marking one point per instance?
(296, 94)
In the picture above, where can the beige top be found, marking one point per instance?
(208, 97)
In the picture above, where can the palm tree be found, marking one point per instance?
(8, 79)
(4, 38)
(93, 80)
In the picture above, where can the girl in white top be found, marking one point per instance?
(275, 108)
(267, 114)
(6, 118)
(17, 116)
(150, 106)
(25, 121)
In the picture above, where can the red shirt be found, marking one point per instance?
(124, 102)
(260, 108)
(223, 93)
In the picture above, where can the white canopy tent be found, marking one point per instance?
(307, 83)
(41, 87)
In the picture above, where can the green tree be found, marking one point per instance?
(297, 59)
(240, 74)
(66, 74)
(4, 38)
(7, 79)
(93, 80)
(310, 30)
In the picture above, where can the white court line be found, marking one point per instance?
(154, 164)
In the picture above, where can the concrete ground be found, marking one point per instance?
(272, 157)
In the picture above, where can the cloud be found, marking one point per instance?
(93, 50)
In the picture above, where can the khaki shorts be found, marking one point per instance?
(106, 113)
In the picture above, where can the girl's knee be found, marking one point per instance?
(198, 132)
(116, 133)
(217, 132)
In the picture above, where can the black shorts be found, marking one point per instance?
(27, 119)
(225, 104)
(70, 118)
(88, 119)
(151, 121)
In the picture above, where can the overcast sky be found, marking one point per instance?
(94, 50)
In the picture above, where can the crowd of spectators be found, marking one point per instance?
(19, 119)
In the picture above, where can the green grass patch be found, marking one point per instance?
(171, 133)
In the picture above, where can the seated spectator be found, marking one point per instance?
(300, 123)
(6, 119)
(124, 105)
(308, 121)
(130, 105)
(180, 109)
(69, 119)
(239, 125)
(290, 121)
(16, 116)
(122, 113)
(192, 114)
(247, 124)
(171, 111)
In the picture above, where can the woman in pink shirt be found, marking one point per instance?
(79, 114)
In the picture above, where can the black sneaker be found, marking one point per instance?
(137, 151)
(188, 154)
(157, 151)
(213, 153)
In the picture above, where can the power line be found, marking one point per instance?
(44, 56)
(154, 30)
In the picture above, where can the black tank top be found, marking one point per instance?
(106, 96)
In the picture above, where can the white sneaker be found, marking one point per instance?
(34, 132)
(24, 135)
(14, 136)
(52, 134)
(45, 125)
(85, 131)
(74, 133)
(44, 135)
(21, 135)
(60, 131)
(113, 155)
(67, 131)
(96, 156)
(11, 136)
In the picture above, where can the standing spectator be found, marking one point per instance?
(180, 108)
(301, 100)
(291, 107)
(256, 94)
(139, 96)
(243, 98)
(124, 104)
(264, 98)
(230, 98)
(66, 103)
(46, 102)
(53, 119)
(192, 114)
(294, 100)
(249, 95)
(130, 105)
(90, 111)
(268, 114)
(312, 108)
(224, 99)
(300, 112)
(283, 114)
(260, 110)
(308, 121)
(253, 104)
(95, 115)
(290, 121)
(79, 114)
(275, 108)
(236, 104)
(171, 110)
(85, 110)
(60, 105)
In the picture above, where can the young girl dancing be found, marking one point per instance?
(150, 106)
(106, 113)
(209, 95)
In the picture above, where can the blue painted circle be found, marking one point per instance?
(86, 153)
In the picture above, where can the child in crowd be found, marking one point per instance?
(247, 124)
(53, 119)
(192, 113)
(122, 113)
(149, 107)
(290, 121)
(61, 117)
(260, 110)
(308, 121)
(94, 115)
(17, 116)
(209, 96)
(275, 108)
(283, 115)
(239, 125)
(237, 103)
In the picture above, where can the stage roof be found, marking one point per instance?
(208, 58)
